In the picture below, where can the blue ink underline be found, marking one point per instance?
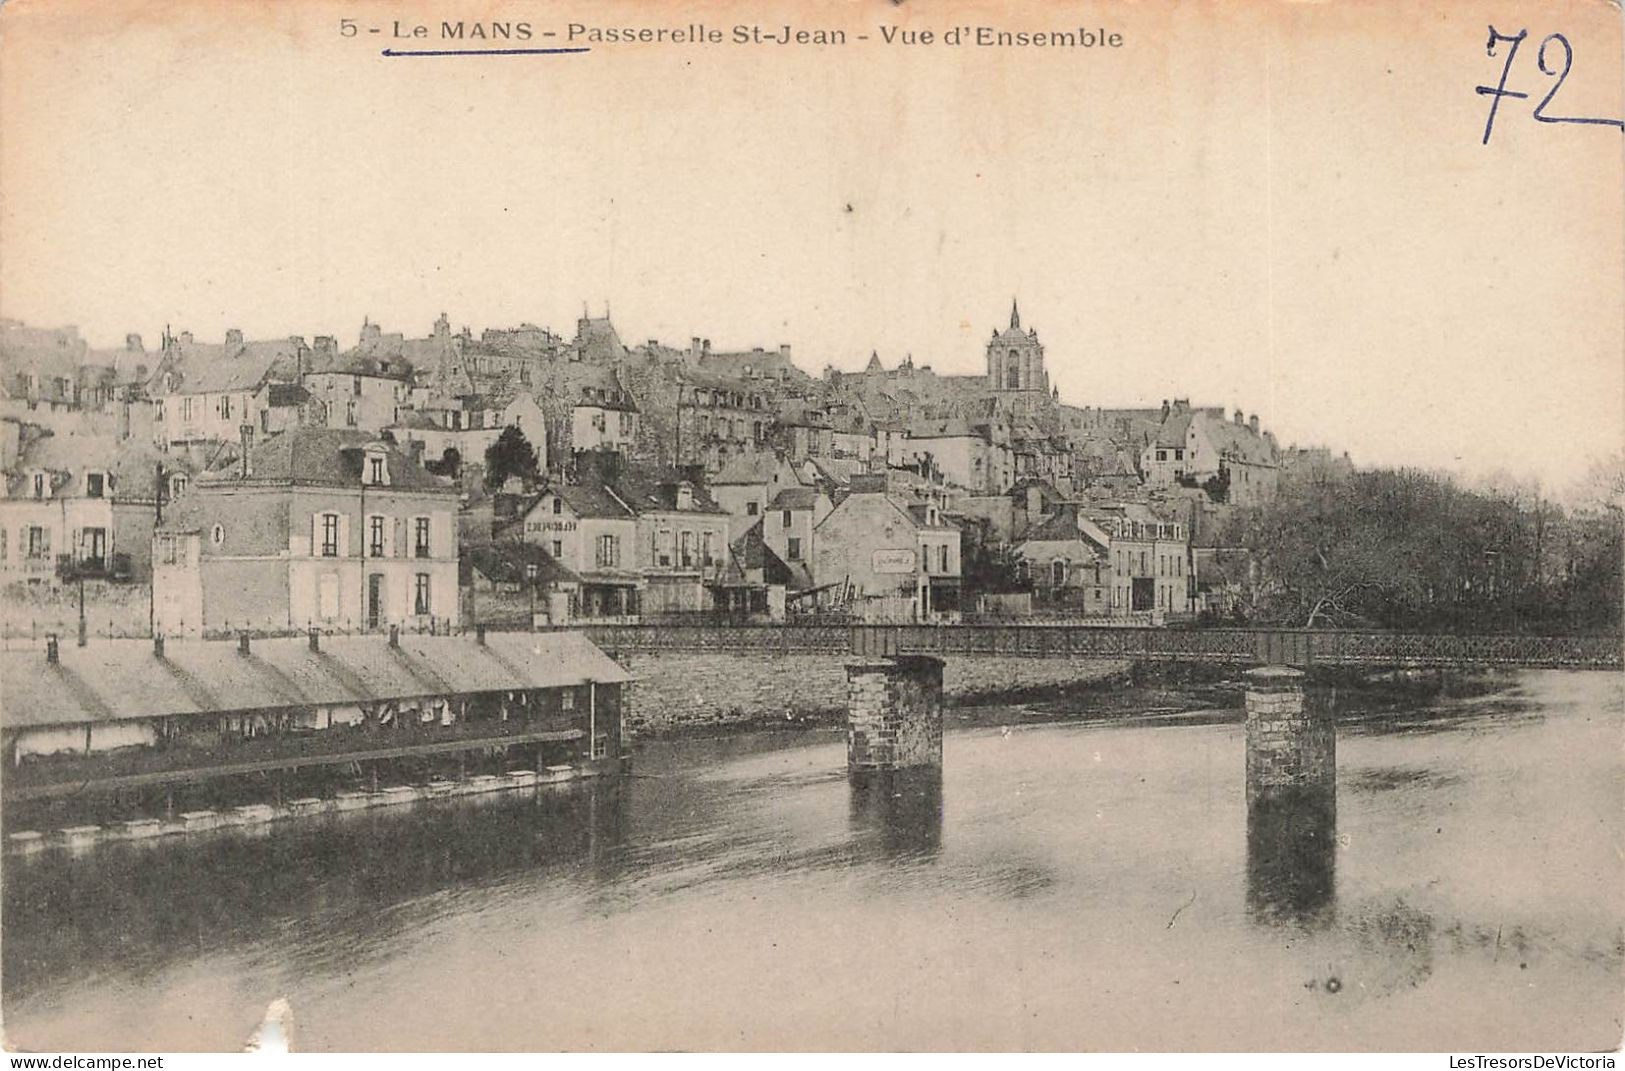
(486, 52)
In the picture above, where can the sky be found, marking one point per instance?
(1281, 207)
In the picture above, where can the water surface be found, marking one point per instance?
(1065, 886)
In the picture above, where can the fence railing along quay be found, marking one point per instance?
(1215, 646)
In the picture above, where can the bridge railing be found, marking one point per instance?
(1234, 646)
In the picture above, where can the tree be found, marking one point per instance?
(450, 463)
(510, 455)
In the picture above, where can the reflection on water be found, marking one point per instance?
(1058, 886)
(901, 809)
(1292, 856)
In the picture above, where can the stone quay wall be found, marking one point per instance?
(678, 690)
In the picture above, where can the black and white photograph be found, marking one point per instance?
(865, 526)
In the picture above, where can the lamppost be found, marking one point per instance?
(530, 574)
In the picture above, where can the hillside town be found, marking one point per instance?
(434, 482)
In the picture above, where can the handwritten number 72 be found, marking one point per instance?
(1560, 72)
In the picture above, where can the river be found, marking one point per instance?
(1069, 885)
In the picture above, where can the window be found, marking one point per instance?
(420, 537)
(177, 484)
(2, 544)
(349, 414)
(217, 535)
(39, 542)
(786, 521)
(1162, 455)
(94, 483)
(626, 424)
(558, 506)
(330, 535)
(567, 698)
(943, 556)
(558, 548)
(708, 548)
(1058, 573)
(686, 558)
(186, 409)
(751, 507)
(375, 468)
(794, 549)
(39, 485)
(420, 594)
(375, 536)
(609, 551)
(355, 386)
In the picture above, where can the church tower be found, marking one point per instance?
(1015, 358)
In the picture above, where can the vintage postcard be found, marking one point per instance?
(833, 525)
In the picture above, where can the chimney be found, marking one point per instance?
(132, 342)
(694, 344)
(51, 657)
(784, 350)
(694, 474)
(705, 344)
(158, 645)
(327, 345)
(479, 635)
(298, 341)
(186, 337)
(1165, 409)
(1252, 423)
(245, 438)
(394, 635)
(1240, 419)
(234, 336)
(315, 640)
(242, 643)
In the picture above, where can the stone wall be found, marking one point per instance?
(680, 690)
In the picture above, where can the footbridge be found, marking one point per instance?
(1221, 646)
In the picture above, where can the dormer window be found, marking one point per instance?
(376, 471)
(95, 484)
(39, 485)
(177, 485)
(685, 496)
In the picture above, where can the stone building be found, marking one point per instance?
(1068, 569)
(1015, 358)
(315, 527)
(891, 557)
(590, 531)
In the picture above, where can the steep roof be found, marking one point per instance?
(121, 679)
(506, 562)
(1060, 526)
(795, 498)
(649, 489)
(209, 368)
(591, 500)
(359, 362)
(747, 468)
(1238, 442)
(325, 457)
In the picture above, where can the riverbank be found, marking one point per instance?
(680, 695)
(683, 693)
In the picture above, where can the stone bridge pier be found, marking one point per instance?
(1291, 795)
(894, 715)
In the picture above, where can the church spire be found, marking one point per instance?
(1015, 316)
